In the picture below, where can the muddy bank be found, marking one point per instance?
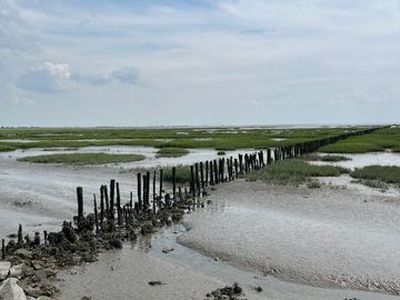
(328, 237)
(183, 273)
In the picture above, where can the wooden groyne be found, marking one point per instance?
(114, 220)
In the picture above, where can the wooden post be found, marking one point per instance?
(231, 168)
(211, 173)
(216, 179)
(154, 191)
(131, 201)
(101, 204)
(96, 220)
(206, 173)
(161, 188)
(173, 182)
(79, 193)
(112, 196)
(45, 237)
(236, 168)
(119, 212)
(202, 174)
(147, 190)
(139, 190)
(241, 163)
(197, 178)
(107, 214)
(192, 189)
(3, 249)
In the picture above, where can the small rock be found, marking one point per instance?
(23, 253)
(16, 271)
(11, 291)
(153, 283)
(258, 289)
(4, 269)
(167, 250)
(44, 298)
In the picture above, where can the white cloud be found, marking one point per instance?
(128, 75)
(49, 78)
(55, 78)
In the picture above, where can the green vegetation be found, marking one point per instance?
(182, 174)
(326, 158)
(386, 174)
(218, 138)
(294, 171)
(172, 152)
(380, 140)
(83, 158)
(4, 148)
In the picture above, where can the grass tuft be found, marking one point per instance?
(83, 158)
(386, 174)
(294, 172)
(326, 158)
(172, 152)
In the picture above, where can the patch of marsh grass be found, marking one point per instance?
(386, 174)
(83, 158)
(294, 172)
(172, 152)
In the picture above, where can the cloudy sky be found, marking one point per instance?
(195, 62)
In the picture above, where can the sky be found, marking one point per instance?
(204, 62)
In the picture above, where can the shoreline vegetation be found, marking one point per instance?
(325, 158)
(172, 152)
(383, 139)
(82, 158)
(294, 172)
(221, 139)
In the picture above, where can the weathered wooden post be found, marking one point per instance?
(101, 205)
(216, 172)
(96, 220)
(202, 174)
(139, 190)
(207, 173)
(236, 168)
(211, 173)
(79, 193)
(174, 182)
(197, 178)
(119, 212)
(154, 191)
(112, 196)
(192, 189)
(241, 163)
(3, 249)
(147, 190)
(161, 188)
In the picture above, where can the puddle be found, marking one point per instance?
(365, 159)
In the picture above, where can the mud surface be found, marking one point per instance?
(182, 273)
(328, 237)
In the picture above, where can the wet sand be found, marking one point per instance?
(329, 237)
(295, 243)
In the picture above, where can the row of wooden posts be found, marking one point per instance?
(202, 175)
